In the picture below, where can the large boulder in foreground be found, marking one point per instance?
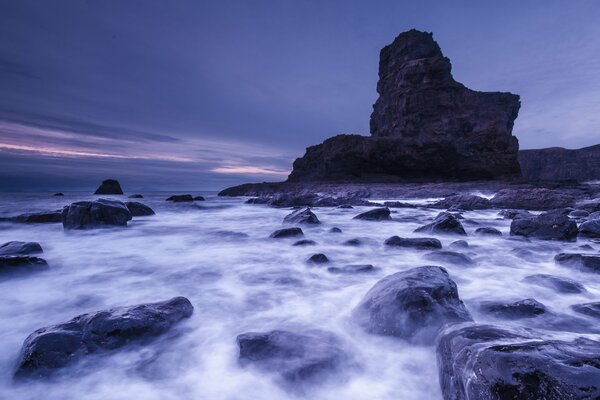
(412, 305)
(489, 362)
(547, 226)
(296, 357)
(109, 186)
(95, 214)
(54, 347)
(424, 126)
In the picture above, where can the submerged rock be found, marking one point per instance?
(352, 269)
(377, 214)
(414, 243)
(180, 198)
(199, 198)
(335, 229)
(136, 196)
(452, 257)
(444, 223)
(16, 248)
(353, 242)
(488, 362)
(586, 262)
(412, 305)
(58, 194)
(515, 214)
(527, 308)
(556, 283)
(318, 258)
(548, 226)
(95, 214)
(459, 244)
(305, 242)
(302, 216)
(109, 186)
(138, 209)
(56, 346)
(286, 233)
(487, 231)
(589, 309)
(10, 265)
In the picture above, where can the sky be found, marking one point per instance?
(201, 95)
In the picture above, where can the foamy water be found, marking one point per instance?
(245, 284)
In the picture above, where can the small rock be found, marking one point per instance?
(287, 233)
(335, 229)
(44, 217)
(136, 196)
(319, 258)
(594, 215)
(451, 257)
(459, 244)
(199, 198)
(414, 243)
(109, 186)
(548, 226)
(58, 194)
(561, 285)
(444, 223)
(20, 248)
(465, 202)
(590, 229)
(181, 198)
(138, 209)
(488, 231)
(352, 269)
(377, 214)
(579, 214)
(305, 242)
(527, 308)
(345, 206)
(16, 264)
(590, 263)
(302, 216)
(515, 214)
(353, 242)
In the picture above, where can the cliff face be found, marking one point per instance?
(558, 164)
(424, 126)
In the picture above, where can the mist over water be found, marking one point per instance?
(242, 284)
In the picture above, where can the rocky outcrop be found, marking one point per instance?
(559, 164)
(109, 186)
(95, 214)
(424, 126)
(532, 199)
(444, 223)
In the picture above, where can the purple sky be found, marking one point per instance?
(202, 95)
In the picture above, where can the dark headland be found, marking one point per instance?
(433, 135)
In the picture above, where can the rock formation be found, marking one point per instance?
(558, 164)
(109, 186)
(424, 126)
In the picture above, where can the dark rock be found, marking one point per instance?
(335, 229)
(44, 217)
(451, 257)
(488, 362)
(56, 346)
(20, 248)
(307, 200)
(181, 198)
(515, 214)
(318, 258)
(377, 214)
(398, 204)
(586, 247)
(302, 216)
(445, 223)
(136, 196)
(305, 242)
(414, 243)
(590, 229)
(547, 226)
(10, 265)
(353, 242)
(346, 206)
(579, 214)
(109, 186)
(58, 194)
(459, 244)
(412, 305)
(559, 164)
(486, 231)
(589, 309)
(532, 199)
(463, 202)
(586, 262)
(594, 216)
(527, 308)
(94, 214)
(287, 233)
(295, 356)
(138, 209)
(560, 285)
(199, 198)
(352, 269)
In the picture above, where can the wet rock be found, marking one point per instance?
(547, 226)
(44, 217)
(352, 269)
(590, 229)
(56, 346)
(318, 258)
(487, 231)
(95, 214)
(579, 214)
(345, 206)
(532, 199)
(459, 244)
(287, 233)
(593, 216)
(307, 200)
(136, 196)
(444, 223)
(11, 265)
(296, 357)
(138, 209)
(488, 362)
(585, 262)
(412, 305)
(180, 198)
(465, 202)
(414, 243)
(353, 242)
(586, 247)
(199, 198)
(58, 194)
(335, 229)
(305, 242)
(451, 257)
(589, 309)
(109, 186)
(302, 216)
(527, 308)
(556, 283)
(16, 248)
(515, 214)
(377, 214)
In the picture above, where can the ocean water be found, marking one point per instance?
(239, 284)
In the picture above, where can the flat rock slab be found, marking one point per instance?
(414, 243)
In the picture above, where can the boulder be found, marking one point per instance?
(412, 305)
(95, 214)
(586, 262)
(56, 346)
(488, 362)
(305, 242)
(377, 214)
(302, 216)
(444, 223)
(414, 243)
(547, 226)
(352, 269)
(556, 283)
(465, 202)
(532, 199)
(589, 309)
(109, 186)
(16, 248)
(10, 265)
(590, 229)
(295, 356)
(527, 308)
(318, 258)
(452, 257)
(287, 233)
(180, 198)
(199, 198)
(487, 231)
(138, 209)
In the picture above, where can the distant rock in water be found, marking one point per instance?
(136, 196)
(95, 214)
(54, 347)
(180, 198)
(43, 217)
(58, 194)
(424, 126)
(109, 186)
(559, 164)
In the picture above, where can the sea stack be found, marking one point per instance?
(425, 126)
